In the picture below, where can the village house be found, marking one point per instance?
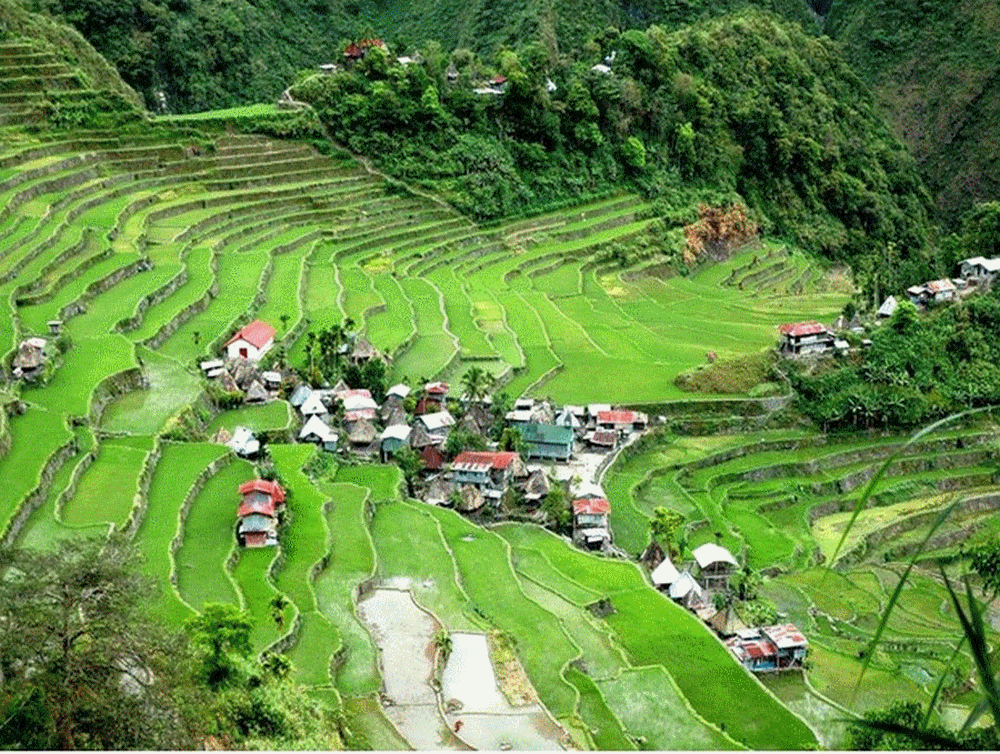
(715, 564)
(437, 425)
(888, 307)
(591, 528)
(686, 591)
(604, 439)
(251, 341)
(317, 431)
(622, 422)
(315, 405)
(979, 267)
(800, 338)
(773, 648)
(393, 438)
(547, 441)
(433, 398)
(257, 524)
(935, 291)
(664, 574)
(490, 472)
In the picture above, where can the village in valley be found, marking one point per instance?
(359, 420)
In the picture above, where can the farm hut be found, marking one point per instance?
(421, 438)
(537, 486)
(243, 442)
(471, 499)
(222, 437)
(490, 472)
(393, 438)
(432, 458)
(685, 590)
(518, 417)
(227, 383)
(396, 416)
(439, 491)
(715, 564)
(363, 351)
(244, 372)
(548, 441)
(257, 393)
(30, 358)
(55, 327)
(362, 432)
(272, 379)
(479, 415)
(590, 522)
(664, 574)
(316, 430)
(251, 341)
(566, 418)
(941, 290)
(299, 395)
(798, 338)
(888, 307)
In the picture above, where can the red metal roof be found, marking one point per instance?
(437, 388)
(496, 460)
(615, 417)
(263, 507)
(358, 414)
(591, 505)
(263, 485)
(786, 635)
(257, 334)
(798, 329)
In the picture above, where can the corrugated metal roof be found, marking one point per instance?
(710, 552)
(258, 333)
(798, 329)
(591, 505)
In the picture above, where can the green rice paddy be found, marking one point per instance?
(151, 266)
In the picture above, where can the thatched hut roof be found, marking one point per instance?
(245, 373)
(227, 383)
(363, 350)
(472, 499)
(29, 356)
(538, 486)
(257, 392)
(362, 433)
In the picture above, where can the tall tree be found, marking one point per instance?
(81, 664)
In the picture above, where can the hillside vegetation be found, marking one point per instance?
(740, 107)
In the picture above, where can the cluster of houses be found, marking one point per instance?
(257, 517)
(813, 338)
(772, 648)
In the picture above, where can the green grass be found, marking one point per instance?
(147, 411)
(257, 592)
(209, 538)
(107, 489)
(272, 415)
(352, 560)
(173, 477)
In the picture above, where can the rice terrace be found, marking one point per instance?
(133, 259)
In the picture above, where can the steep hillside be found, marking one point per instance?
(935, 71)
(60, 45)
(744, 107)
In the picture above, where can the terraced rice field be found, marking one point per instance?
(152, 247)
(781, 501)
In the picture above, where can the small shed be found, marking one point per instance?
(299, 395)
(664, 574)
(393, 438)
(715, 564)
(590, 522)
(313, 405)
(257, 393)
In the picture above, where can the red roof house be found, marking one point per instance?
(261, 489)
(251, 341)
(590, 522)
(490, 472)
(805, 337)
(257, 526)
(621, 420)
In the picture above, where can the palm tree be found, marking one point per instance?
(477, 383)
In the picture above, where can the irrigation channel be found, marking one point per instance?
(465, 710)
